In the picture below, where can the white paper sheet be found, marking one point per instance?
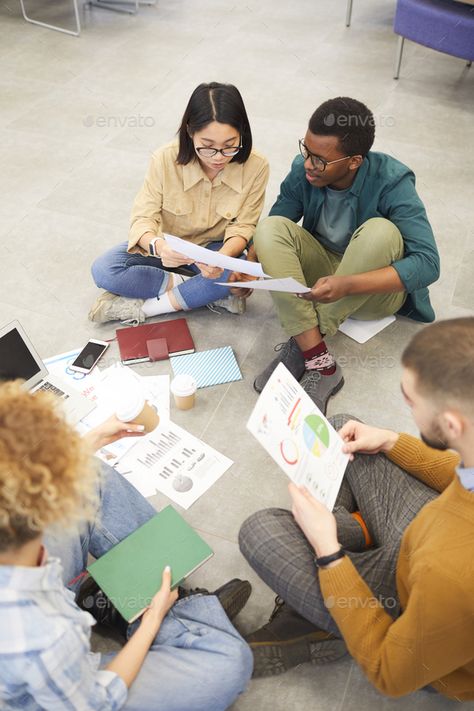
(213, 259)
(362, 331)
(298, 437)
(287, 284)
(175, 463)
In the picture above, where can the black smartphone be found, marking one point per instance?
(89, 356)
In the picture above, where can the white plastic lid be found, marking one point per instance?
(130, 403)
(183, 385)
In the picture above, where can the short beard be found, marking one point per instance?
(434, 443)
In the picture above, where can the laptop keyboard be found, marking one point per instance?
(53, 389)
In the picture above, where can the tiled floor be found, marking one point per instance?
(78, 120)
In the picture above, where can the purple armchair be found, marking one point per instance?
(444, 25)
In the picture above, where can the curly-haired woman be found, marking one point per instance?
(183, 654)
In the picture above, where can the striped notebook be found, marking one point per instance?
(209, 367)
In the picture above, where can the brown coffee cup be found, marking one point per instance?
(184, 388)
(133, 408)
(148, 417)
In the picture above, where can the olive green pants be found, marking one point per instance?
(285, 249)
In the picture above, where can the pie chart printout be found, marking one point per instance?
(316, 435)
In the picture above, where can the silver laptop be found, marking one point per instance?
(18, 359)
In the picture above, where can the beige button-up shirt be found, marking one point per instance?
(182, 201)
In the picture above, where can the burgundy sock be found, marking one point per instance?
(319, 358)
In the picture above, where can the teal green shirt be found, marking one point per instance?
(335, 220)
(383, 187)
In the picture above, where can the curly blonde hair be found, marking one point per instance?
(47, 475)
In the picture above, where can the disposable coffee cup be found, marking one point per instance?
(133, 408)
(184, 389)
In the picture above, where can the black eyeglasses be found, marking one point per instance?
(210, 152)
(316, 161)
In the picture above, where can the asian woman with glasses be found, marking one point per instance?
(207, 187)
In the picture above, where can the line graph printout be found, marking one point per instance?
(298, 437)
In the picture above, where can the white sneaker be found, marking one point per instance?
(232, 304)
(110, 307)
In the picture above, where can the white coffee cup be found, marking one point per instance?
(184, 388)
(132, 407)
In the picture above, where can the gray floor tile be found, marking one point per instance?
(74, 153)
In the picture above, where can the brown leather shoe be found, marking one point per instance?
(288, 640)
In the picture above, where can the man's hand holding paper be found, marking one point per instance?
(315, 520)
(365, 439)
(241, 291)
(328, 289)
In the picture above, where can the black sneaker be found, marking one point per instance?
(292, 358)
(288, 640)
(92, 599)
(232, 595)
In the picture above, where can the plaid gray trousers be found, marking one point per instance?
(388, 499)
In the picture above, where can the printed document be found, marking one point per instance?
(298, 437)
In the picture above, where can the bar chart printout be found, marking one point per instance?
(175, 463)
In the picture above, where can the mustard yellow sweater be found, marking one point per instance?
(432, 641)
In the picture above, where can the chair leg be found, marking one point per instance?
(398, 59)
(130, 7)
(348, 13)
(55, 27)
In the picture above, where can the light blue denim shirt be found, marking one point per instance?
(466, 477)
(45, 656)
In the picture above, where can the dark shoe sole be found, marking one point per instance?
(333, 392)
(235, 601)
(273, 659)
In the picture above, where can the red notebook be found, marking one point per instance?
(132, 341)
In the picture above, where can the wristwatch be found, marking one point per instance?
(324, 560)
(151, 247)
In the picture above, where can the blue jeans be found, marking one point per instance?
(140, 277)
(198, 661)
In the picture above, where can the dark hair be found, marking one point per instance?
(442, 356)
(214, 102)
(348, 119)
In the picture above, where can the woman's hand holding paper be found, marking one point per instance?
(209, 272)
(170, 258)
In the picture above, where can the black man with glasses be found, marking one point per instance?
(365, 246)
(208, 188)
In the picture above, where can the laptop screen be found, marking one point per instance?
(17, 358)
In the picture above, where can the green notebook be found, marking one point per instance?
(131, 572)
